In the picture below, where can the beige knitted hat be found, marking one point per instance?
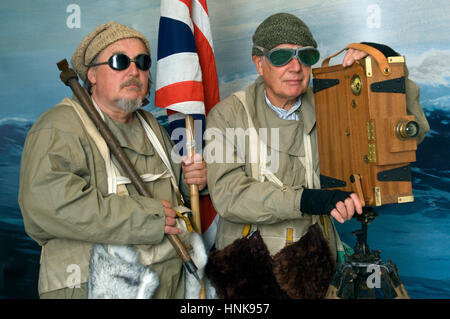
(98, 40)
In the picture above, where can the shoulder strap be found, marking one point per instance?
(253, 136)
(259, 169)
(160, 150)
(254, 149)
(111, 169)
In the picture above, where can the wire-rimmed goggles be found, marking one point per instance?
(282, 56)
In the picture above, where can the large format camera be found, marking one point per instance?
(366, 142)
(366, 139)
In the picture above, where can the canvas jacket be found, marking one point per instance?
(241, 199)
(66, 207)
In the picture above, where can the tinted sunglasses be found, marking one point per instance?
(120, 61)
(282, 56)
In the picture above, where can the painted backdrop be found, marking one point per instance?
(37, 34)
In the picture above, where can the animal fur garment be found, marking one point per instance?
(199, 257)
(305, 268)
(116, 273)
(243, 269)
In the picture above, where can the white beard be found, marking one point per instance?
(129, 105)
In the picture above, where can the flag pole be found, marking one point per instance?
(195, 197)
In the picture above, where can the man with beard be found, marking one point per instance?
(72, 191)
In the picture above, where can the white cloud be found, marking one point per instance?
(439, 103)
(432, 67)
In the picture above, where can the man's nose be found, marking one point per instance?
(295, 65)
(133, 69)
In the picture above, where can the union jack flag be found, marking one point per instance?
(186, 78)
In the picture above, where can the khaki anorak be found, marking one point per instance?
(66, 206)
(241, 199)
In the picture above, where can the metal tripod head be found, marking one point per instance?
(362, 250)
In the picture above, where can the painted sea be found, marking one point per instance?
(415, 236)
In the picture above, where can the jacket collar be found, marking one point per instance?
(290, 132)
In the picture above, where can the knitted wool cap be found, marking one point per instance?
(98, 40)
(282, 28)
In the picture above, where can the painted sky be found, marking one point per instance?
(35, 35)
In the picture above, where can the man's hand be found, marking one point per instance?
(194, 170)
(170, 219)
(345, 211)
(339, 204)
(352, 55)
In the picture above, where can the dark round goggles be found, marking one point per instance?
(282, 56)
(120, 61)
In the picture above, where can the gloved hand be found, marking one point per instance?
(341, 205)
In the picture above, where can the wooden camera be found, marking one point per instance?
(366, 140)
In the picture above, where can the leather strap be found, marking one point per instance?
(253, 136)
(289, 236)
(186, 220)
(377, 55)
(323, 219)
(246, 230)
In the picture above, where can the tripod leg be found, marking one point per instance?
(397, 283)
(332, 293)
(342, 284)
(387, 285)
(335, 285)
(401, 292)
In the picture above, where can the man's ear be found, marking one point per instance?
(91, 75)
(258, 61)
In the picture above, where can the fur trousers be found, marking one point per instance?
(115, 272)
(245, 269)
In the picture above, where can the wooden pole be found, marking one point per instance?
(195, 197)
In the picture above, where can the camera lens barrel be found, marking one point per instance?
(405, 129)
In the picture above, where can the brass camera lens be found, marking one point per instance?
(406, 129)
(356, 84)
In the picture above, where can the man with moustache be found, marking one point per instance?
(283, 202)
(72, 193)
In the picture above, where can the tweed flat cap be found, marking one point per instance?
(281, 28)
(98, 40)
